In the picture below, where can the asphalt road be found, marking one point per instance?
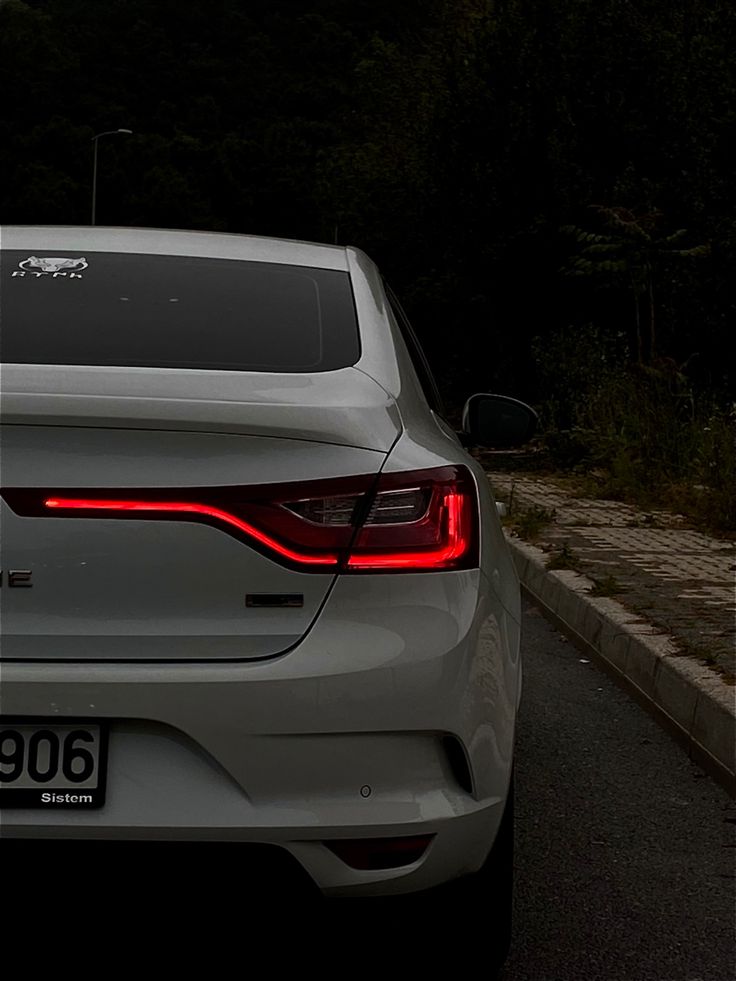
(626, 851)
(625, 871)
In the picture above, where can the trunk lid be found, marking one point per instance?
(147, 587)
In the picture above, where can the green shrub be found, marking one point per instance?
(636, 432)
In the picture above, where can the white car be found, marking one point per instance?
(253, 586)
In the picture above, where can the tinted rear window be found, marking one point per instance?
(174, 312)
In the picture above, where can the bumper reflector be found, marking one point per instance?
(379, 853)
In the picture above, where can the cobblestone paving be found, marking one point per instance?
(682, 581)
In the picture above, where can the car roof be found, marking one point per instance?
(158, 241)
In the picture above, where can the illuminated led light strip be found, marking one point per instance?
(456, 546)
(456, 522)
(174, 507)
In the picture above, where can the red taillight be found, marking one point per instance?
(440, 539)
(164, 509)
(420, 521)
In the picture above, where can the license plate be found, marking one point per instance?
(47, 764)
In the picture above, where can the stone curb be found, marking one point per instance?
(687, 698)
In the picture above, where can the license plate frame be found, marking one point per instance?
(58, 792)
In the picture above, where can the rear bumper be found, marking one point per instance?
(200, 807)
(341, 738)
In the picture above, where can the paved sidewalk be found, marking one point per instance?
(655, 600)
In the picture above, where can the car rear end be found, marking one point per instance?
(250, 590)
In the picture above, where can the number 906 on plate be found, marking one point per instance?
(46, 764)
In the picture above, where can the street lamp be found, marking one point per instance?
(109, 132)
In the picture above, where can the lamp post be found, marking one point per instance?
(109, 132)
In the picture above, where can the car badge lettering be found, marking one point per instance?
(17, 578)
(54, 266)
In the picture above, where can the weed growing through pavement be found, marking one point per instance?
(607, 586)
(564, 558)
(530, 523)
(698, 652)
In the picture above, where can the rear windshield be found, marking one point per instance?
(174, 312)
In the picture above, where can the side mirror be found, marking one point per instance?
(497, 421)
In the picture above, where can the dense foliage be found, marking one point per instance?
(475, 148)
